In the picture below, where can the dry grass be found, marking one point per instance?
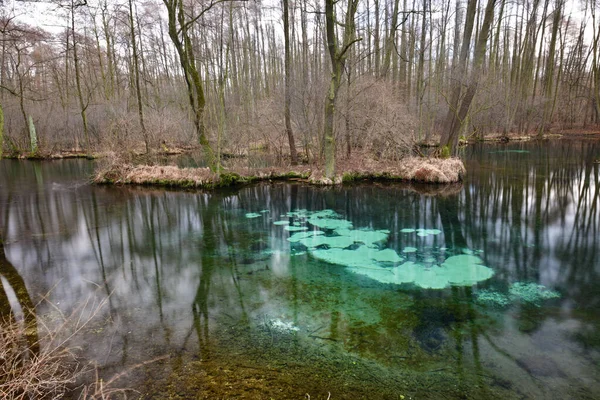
(413, 169)
(37, 363)
(26, 374)
(191, 177)
(144, 174)
(426, 170)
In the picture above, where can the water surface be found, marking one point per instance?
(240, 311)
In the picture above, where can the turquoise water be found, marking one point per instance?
(286, 290)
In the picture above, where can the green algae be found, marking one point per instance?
(362, 252)
(322, 213)
(422, 232)
(368, 237)
(466, 270)
(348, 258)
(523, 292)
(291, 252)
(363, 257)
(330, 223)
(427, 232)
(295, 228)
(375, 272)
(331, 241)
(432, 278)
(493, 299)
(296, 237)
(458, 270)
(300, 213)
(409, 272)
(387, 255)
(530, 292)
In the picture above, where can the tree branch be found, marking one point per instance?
(345, 49)
(207, 9)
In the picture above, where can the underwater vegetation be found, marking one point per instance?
(422, 232)
(523, 292)
(530, 292)
(326, 236)
(332, 239)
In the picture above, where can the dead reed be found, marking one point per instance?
(37, 362)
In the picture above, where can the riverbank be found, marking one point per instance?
(174, 150)
(73, 153)
(423, 170)
(63, 154)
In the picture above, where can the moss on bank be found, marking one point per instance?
(408, 170)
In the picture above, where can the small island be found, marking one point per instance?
(413, 169)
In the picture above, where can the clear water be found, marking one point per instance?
(240, 311)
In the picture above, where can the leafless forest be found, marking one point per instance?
(301, 79)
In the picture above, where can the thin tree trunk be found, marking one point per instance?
(82, 103)
(1, 131)
(179, 25)
(338, 59)
(136, 74)
(288, 78)
(459, 109)
(549, 73)
(390, 41)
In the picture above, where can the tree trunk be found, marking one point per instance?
(82, 103)
(179, 25)
(1, 131)
(459, 108)
(288, 78)
(390, 41)
(136, 74)
(549, 74)
(338, 60)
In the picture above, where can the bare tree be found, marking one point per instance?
(337, 55)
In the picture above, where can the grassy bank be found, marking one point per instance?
(424, 170)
